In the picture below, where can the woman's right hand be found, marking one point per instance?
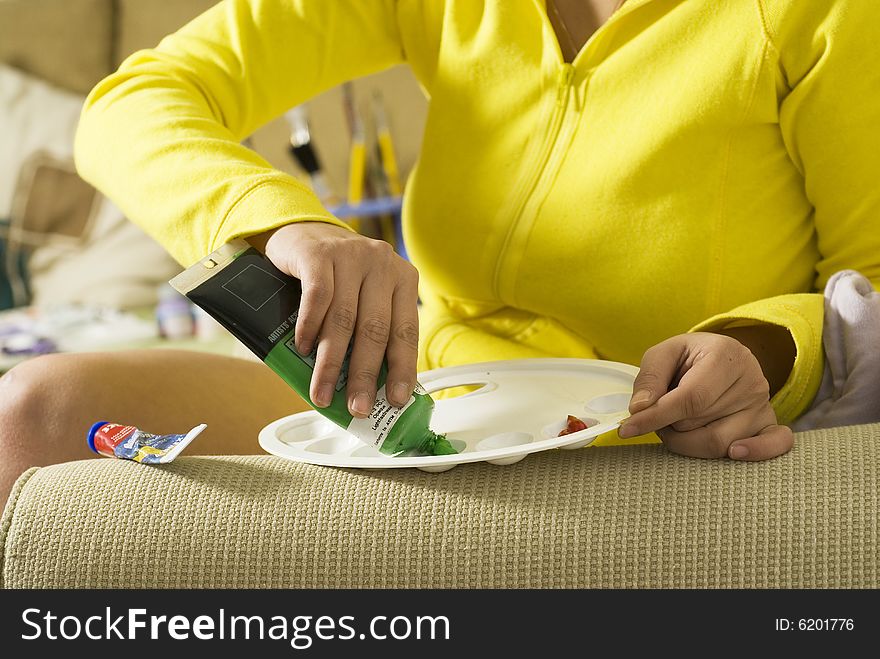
(353, 286)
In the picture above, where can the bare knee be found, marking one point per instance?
(39, 407)
(21, 391)
(22, 397)
(41, 416)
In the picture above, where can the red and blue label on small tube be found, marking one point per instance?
(115, 440)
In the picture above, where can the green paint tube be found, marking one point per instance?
(258, 304)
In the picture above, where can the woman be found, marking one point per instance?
(663, 182)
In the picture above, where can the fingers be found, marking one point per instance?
(745, 391)
(403, 343)
(720, 377)
(697, 396)
(387, 328)
(373, 316)
(317, 293)
(714, 439)
(740, 436)
(371, 339)
(359, 302)
(658, 369)
(335, 336)
(707, 397)
(772, 441)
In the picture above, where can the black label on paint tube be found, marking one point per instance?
(253, 299)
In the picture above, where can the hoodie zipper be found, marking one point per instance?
(563, 122)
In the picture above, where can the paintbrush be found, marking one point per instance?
(303, 151)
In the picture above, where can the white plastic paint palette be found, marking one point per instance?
(511, 409)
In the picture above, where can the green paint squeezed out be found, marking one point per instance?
(410, 435)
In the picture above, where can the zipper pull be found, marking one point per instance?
(566, 75)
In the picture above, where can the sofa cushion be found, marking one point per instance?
(613, 517)
(143, 23)
(55, 203)
(68, 43)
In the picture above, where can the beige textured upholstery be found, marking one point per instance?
(613, 517)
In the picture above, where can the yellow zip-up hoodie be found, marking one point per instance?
(701, 163)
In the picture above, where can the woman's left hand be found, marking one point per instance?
(706, 396)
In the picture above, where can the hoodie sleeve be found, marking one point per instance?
(161, 136)
(828, 64)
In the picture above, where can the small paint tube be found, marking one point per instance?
(129, 443)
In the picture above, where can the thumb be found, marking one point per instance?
(657, 371)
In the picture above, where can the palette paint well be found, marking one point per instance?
(497, 412)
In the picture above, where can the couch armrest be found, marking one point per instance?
(634, 516)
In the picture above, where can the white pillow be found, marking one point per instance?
(118, 267)
(111, 263)
(34, 116)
